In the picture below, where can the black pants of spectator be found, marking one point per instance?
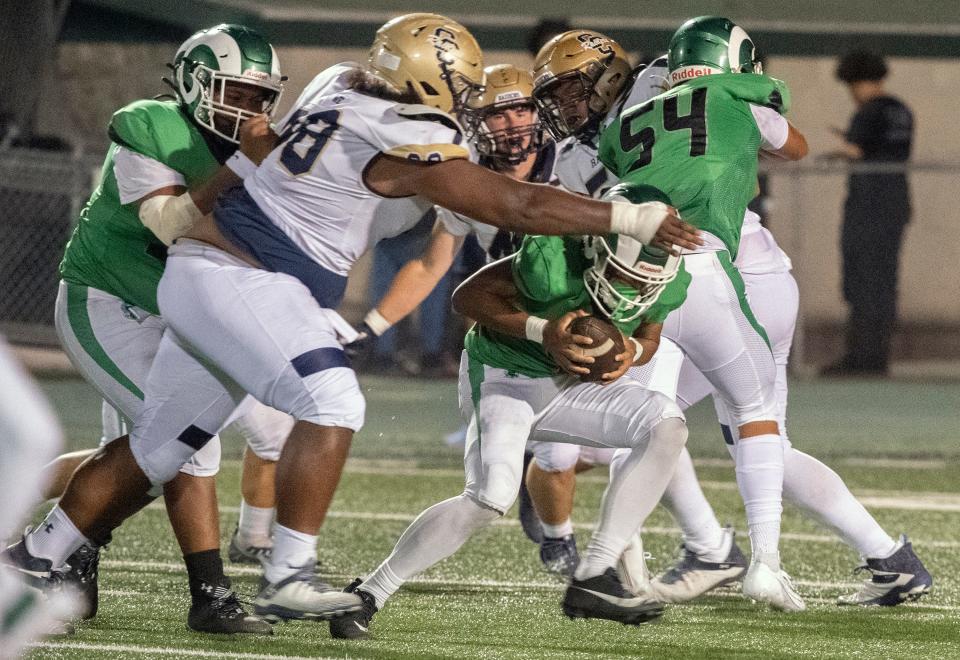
(871, 244)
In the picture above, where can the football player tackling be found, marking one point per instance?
(247, 294)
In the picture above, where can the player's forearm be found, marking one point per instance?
(205, 194)
(543, 209)
(409, 288)
(488, 298)
(648, 336)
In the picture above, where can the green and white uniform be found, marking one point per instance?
(106, 310)
(511, 390)
(699, 142)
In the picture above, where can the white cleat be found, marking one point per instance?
(303, 596)
(691, 576)
(765, 585)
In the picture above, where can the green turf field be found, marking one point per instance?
(896, 444)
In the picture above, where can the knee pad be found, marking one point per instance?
(160, 461)
(265, 430)
(331, 397)
(556, 456)
(498, 490)
(206, 461)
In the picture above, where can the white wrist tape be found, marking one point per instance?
(639, 348)
(640, 221)
(376, 322)
(534, 329)
(169, 216)
(241, 165)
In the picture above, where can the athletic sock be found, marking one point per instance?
(683, 498)
(821, 493)
(56, 538)
(760, 480)
(292, 550)
(557, 531)
(434, 535)
(637, 481)
(204, 568)
(256, 524)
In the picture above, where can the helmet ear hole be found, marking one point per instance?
(428, 88)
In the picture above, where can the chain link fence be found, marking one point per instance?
(41, 194)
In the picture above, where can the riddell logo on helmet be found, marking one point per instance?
(256, 75)
(691, 72)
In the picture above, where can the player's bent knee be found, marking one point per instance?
(328, 398)
(498, 490)
(161, 461)
(556, 456)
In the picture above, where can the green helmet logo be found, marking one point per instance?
(215, 58)
(627, 277)
(707, 45)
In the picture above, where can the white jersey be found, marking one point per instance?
(498, 243)
(312, 185)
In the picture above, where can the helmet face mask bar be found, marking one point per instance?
(566, 104)
(626, 277)
(215, 113)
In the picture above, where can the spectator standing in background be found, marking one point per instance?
(876, 212)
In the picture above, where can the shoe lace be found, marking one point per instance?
(225, 600)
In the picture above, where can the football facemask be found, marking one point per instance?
(503, 122)
(626, 277)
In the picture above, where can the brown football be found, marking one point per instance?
(607, 344)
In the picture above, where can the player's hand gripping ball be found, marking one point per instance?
(607, 345)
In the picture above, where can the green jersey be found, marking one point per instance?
(548, 274)
(110, 248)
(697, 142)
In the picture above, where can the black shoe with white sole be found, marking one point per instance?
(218, 610)
(893, 580)
(604, 597)
(357, 624)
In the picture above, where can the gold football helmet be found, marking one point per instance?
(506, 137)
(431, 55)
(577, 77)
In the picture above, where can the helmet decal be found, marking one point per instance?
(737, 36)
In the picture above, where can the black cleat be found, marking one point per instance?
(35, 571)
(604, 597)
(560, 556)
(219, 611)
(357, 624)
(82, 576)
(529, 520)
(894, 579)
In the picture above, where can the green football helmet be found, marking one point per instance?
(710, 44)
(627, 277)
(214, 58)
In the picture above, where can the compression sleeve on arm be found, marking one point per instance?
(169, 216)
(639, 221)
(774, 129)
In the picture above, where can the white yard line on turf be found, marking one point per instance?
(159, 650)
(512, 522)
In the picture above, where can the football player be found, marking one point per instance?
(518, 381)
(248, 293)
(164, 169)
(709, 165)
